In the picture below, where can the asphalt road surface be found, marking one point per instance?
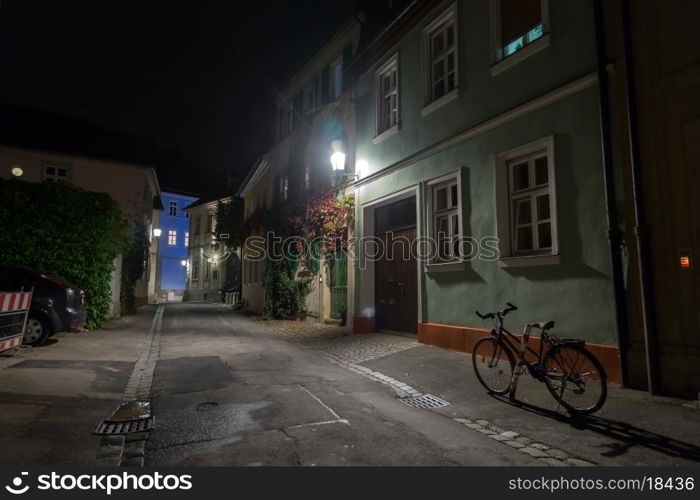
(227, 391)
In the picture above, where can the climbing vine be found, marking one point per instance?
(66, 231)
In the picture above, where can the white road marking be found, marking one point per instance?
(340, 421)
(337, 417)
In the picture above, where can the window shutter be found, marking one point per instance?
(347, 57)
(518, 17)
(325, 85)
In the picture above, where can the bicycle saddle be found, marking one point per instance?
(545, 325)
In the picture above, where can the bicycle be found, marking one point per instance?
(572, 374)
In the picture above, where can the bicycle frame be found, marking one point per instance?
(520, 347)
(509, 341)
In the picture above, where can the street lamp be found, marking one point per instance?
(338, 161)
(184, 262)
(157, 232)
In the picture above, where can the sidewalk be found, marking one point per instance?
(632, 428)
(53, 397)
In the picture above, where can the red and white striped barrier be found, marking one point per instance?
(15, 301)
(14, 309)
(10, 343)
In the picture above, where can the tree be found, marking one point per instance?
(229, 220)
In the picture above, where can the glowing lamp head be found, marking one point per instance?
(17, 171)
(338, 160)
(157, 232)
(184, 262)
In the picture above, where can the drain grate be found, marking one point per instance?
(426, 401)
(108, 427)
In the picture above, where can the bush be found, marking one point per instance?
(284, 296)
(68, 231)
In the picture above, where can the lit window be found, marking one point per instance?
(517, 23)
(56, 173)
(172, 237)
(441, 50)
(173, 209)
(387, 91)
(187, 239)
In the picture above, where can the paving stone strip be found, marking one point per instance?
(129, 449)
(544, 453)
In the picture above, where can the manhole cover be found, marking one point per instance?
(124, 426)
(426, 401)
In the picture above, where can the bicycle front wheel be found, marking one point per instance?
(575, 378)
(493, 365)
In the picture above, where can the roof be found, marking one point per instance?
(207, 201)
(254, 175)
(43, 130)
(157, 203)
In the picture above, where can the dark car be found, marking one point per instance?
(56, 305)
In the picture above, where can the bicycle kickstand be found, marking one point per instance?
(520, 367)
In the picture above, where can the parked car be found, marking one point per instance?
(56, 305)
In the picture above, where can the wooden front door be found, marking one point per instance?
(395, 278)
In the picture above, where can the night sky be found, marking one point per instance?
(195, 75)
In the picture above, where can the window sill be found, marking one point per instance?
(524, 53)
(386, 134)
(449, 97)
(530, 261)
(444, 267)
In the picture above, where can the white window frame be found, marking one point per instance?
(382, 130)
(432, 214)
(172, 237)
(500, 63)
(504, 209)
(172, 207)
(430, 104)
(336, 79)
(55, 177)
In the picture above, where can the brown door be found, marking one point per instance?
(396, 283)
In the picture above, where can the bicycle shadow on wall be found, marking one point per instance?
(627, 434)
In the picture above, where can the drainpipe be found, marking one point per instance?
(640, 229)
(614, 234)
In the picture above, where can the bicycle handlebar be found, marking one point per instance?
(500, 314)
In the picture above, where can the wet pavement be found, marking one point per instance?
(227, 389)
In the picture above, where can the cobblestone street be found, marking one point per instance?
(339, 342)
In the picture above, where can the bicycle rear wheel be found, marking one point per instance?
(575, 378)
(493, 365)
